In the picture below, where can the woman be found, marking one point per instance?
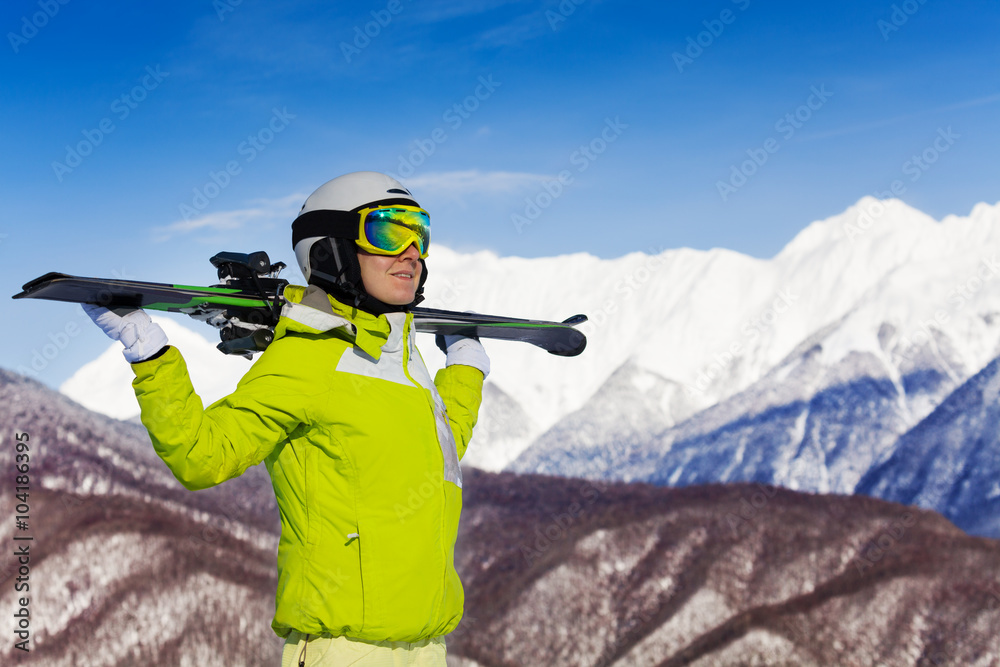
(363, 448)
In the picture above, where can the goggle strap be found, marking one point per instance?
(338, 224)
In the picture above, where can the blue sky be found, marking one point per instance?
(139, 140)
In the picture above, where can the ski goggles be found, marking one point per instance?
(391, 229)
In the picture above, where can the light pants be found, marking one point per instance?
(327, 651)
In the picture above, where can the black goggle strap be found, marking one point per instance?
(338, 224)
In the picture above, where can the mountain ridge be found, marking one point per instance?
(133, 569)
(880, 298)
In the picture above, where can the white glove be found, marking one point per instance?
(465, 352)
(141, 336)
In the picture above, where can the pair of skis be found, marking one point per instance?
(246, 303)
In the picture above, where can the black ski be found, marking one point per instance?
(246, 304)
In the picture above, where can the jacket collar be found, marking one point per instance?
(313, 311)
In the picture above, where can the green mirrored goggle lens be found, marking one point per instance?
(394, 229)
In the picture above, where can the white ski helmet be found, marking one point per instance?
(324, 234)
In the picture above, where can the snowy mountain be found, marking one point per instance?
(565, 572)
(805, 425)
(836, 405)
(105, 384)
(802, 370)
(951, 460)
(128, 568)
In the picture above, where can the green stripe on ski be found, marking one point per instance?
(224, 305)
(218, 300)
(214, 290)
(509, 325)
(216, 295)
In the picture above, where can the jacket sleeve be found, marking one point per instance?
(204, 447)
(461, 389)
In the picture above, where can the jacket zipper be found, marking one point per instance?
(302, 656)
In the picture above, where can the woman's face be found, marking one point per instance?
(392, 279)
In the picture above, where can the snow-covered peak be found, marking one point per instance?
(105, 384)
(713, 322)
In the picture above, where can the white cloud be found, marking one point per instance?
(457, 185)
(282, 209)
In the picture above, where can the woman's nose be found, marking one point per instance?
(410, 253)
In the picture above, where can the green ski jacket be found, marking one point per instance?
(363, 450)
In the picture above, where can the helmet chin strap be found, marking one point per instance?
(345, 282)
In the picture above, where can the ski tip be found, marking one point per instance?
(574, 320)
(570, 351)
(28, 288)
(576, 344)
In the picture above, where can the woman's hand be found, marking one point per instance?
(141, 337)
